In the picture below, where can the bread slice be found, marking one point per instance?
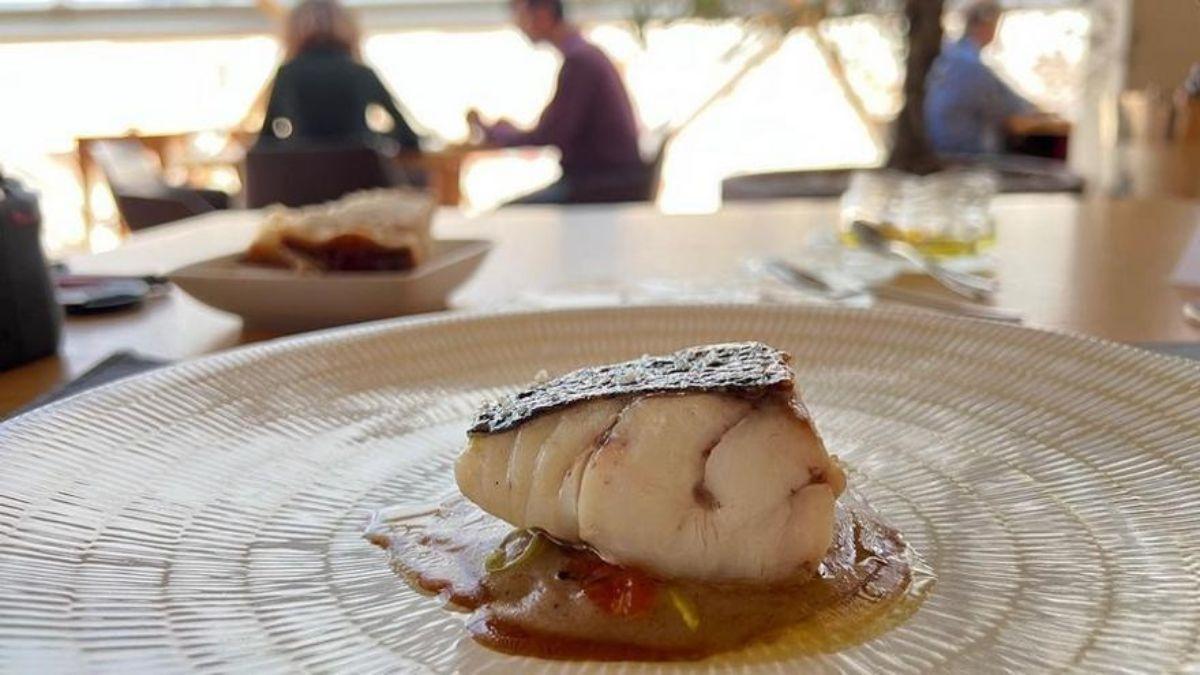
(369, 231)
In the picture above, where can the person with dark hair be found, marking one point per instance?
(323, 91)
(968, 108)
(590, 119)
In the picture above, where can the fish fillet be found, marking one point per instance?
(702, 464)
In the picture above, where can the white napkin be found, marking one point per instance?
(1187, 270)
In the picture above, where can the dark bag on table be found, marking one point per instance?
(29, 315)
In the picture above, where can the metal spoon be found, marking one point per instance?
(968, 285)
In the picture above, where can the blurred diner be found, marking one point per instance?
(324, 92)
(331, 126)
(969, 109)
(590, 119)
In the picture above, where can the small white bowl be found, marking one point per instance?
(284, 301)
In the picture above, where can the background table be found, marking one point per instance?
(443, 166)
(1095, 267)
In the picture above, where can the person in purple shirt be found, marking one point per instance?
(590, 119)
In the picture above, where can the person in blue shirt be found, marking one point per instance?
(968, 108)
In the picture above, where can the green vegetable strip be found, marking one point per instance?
(685, 607)
(497, 561)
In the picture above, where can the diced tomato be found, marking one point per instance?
(617, 590)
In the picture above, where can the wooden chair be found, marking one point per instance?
(1145, 114)
(657, 159)
(1187, 120)
(142, 196)
(635, 185)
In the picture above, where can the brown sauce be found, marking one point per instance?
(560, 602)
(352, 252)
(349, 252)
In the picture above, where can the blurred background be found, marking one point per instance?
(207, 170)
(821, 95)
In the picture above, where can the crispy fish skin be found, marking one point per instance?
(698, 466)
(745, 369)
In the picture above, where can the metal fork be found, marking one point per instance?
(971, 286)
(796, 276)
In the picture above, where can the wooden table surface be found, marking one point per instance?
(1095, 267)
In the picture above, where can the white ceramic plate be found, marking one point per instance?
(208, 516)
(280, 300)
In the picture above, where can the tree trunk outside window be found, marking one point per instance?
(911, 149)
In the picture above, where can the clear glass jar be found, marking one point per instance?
(944, 214)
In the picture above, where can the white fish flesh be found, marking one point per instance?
(702, 464)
